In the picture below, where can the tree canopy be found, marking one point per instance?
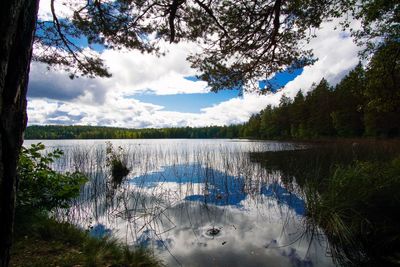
(242, 41)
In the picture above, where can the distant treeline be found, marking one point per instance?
(97, 132)
(365, 103)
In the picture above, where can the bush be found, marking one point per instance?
(43, 241)
(39, 186)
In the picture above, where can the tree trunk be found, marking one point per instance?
(17, 27)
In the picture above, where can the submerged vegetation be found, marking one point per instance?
(41, 240)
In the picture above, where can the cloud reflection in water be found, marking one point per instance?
(258, 226)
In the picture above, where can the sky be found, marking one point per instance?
(146, 91)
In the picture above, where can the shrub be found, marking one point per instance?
(39, 186)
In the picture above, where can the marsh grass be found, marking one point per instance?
(41, 241)
(140, 208)
(359, 212)
(117, 161)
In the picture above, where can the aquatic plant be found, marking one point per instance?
(116, 160)
(358, 212)
(170, 182)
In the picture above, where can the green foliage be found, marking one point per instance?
(380, 20)
(41, 187)
(382, 92)
(349, 96)
(242, 40)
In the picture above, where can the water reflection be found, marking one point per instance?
(350, 192)
(196, 203)
(254, 222)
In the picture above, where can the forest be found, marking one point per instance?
(365, 103)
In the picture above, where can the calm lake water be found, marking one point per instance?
(194, 202)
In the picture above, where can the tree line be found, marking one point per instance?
(99, 132)
(365, 103)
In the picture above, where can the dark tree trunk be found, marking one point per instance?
(17, 27)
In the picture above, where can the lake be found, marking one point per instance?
(194, 202)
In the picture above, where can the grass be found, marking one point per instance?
(41, 241)
(358, 212)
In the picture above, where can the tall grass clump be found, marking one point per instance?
(117, 161)
(358, 212)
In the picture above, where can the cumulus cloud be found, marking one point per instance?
(135, 72)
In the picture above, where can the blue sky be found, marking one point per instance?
(280, 79)
(191, 103)
(194, 103)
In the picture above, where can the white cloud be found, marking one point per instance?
(105, 102)
(135, 72)
(63, 8)
(337, 54)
